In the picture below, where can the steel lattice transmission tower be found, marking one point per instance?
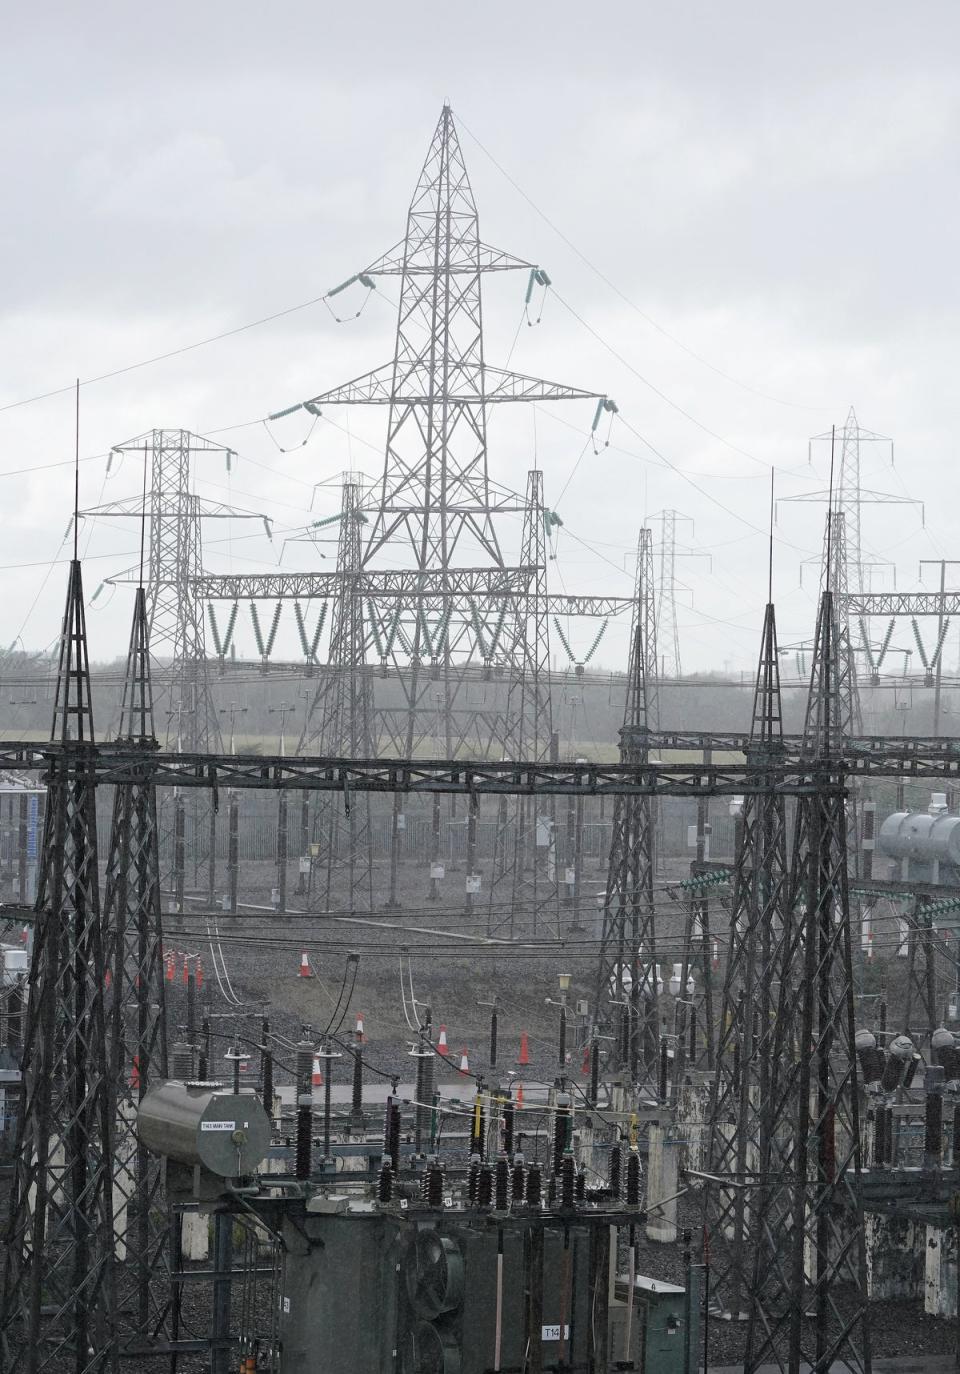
(809, 1295)
(136, 1022)
(435, 508)
(741, 1081)
(175, 623)
(628, 949)
(529, 725)
(668, 586)
(58, 1288)
(846, 497)
(339, 725)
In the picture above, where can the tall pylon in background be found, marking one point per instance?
(524, 843)
(446, 603)
(626, 975)
(809, 1292)
(175, 623)
(184, 699)
(339, 725)
(846, 497)
(741, 1080)
(58, 1287)
(136, 1024)
(668, 588)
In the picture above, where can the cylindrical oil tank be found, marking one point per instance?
(199, 1123)
(918, 835)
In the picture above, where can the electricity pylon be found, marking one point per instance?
(435, 507)
(339, 725)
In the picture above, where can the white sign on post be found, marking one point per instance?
(552, 1333)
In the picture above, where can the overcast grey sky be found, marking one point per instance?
(775, 187)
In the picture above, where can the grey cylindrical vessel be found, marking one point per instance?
(198, 1123)
(919, 835)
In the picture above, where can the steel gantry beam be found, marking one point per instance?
(119, 763)
(508, 584)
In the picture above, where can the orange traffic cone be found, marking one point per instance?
(442, 1042)
(519, 1094)
(464, 1063)
(305, 970)
(360, 1035)
(316, 1079)
(524, 1056)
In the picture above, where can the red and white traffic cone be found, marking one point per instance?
(199, 973)
(171, 967)
(305, 970)
(360, 1035)
(523, 1057)
(464, 1064)
(519, 1094)
(185, 977)
(585, 1069)
(316, 1078)
(442, 1042)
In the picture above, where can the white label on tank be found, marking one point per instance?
(218, 1125)
(552, 1333)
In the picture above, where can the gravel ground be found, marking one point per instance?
(258, 957)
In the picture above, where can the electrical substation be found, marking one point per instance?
(430, 1041)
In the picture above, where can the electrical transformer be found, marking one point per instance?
(457, 1294)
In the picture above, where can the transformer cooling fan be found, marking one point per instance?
(430, 1350)
(434, 1276)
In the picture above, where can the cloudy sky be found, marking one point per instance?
(748, 212)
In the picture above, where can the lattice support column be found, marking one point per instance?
(626, 975)
(809, 1289)
(741, 1079)
(136, 1021)
(58, 1288)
